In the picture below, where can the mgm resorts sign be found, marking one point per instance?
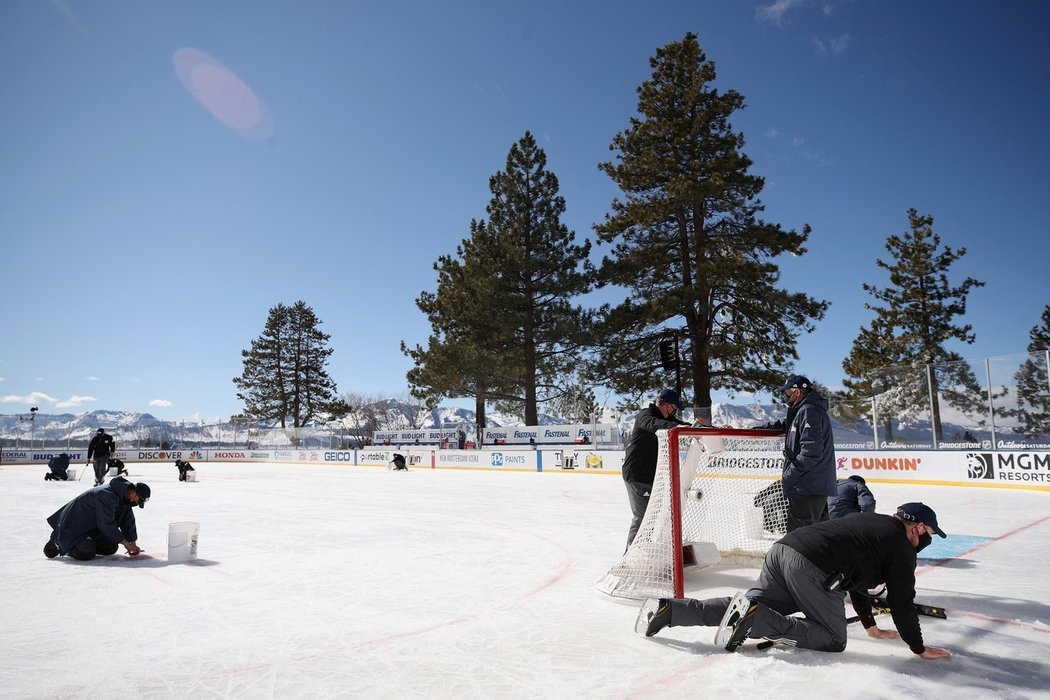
(1033, 467)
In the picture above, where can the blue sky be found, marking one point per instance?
(171, 171)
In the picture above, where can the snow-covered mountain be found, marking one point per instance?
(392, 414)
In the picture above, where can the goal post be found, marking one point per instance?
(714, 489)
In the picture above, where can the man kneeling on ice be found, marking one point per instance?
(808, 571)
(97, 521)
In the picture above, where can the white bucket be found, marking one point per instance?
(182, 541)
(113, 471)
(191, 475)
(72, 474)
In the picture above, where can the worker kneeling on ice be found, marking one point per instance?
(98, 521)
(808, 570)
(59, 466)
(186, 471)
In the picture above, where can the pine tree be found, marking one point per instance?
(466, 335)
(906, 362)
(578, 403)
(284, 373)
(1033, 390)
(503, 321)
(688, 243)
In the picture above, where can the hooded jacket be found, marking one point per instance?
(102, 510)
(852, 497)
(809, 449)
(59, 463)
(639, 460)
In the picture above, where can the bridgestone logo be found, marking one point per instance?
(734, 462)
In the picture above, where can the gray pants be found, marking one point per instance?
(789, 583)
(101, 465)
(638, 497)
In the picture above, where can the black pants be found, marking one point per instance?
(806, 510)
(94, 543)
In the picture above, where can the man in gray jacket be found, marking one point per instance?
(809, 454)
(97, 521)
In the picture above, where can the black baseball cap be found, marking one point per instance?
(143, 491)
(796, 381)
(670, 396)
(920, 513)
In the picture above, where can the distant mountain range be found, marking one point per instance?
(140, 429)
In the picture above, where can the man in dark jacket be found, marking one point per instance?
(807, 571)
(59, 466)
(852, 496)
(639, 462)
(100, 449)
(184, 470)
(809, 454)
(97, 521)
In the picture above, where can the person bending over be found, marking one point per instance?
(853, 496)
(98, 521)
(59, 466)
(639, 461)
(808, 571)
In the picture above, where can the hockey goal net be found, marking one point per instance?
(719, 486)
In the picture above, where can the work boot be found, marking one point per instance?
(51, 548)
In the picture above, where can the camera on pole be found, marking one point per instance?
(668, 353)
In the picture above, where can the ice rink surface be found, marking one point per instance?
(356, 582)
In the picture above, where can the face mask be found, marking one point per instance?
(924, 541)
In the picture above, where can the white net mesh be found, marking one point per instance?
(728, 494)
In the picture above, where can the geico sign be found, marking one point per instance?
(227, 455)
(143, 456)
(338, 457)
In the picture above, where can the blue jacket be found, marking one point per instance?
(809, 449)
(102, 510)
(852, 497)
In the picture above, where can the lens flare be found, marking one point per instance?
(223, 94)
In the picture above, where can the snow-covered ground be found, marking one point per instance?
(354, 582)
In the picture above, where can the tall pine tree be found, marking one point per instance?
(503, 319)
(466, 333)
(1033, 389)
(284, 375)
(689, 246)
(916, 317)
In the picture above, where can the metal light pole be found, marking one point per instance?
(32, 425)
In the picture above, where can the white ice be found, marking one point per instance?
(356, 582)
